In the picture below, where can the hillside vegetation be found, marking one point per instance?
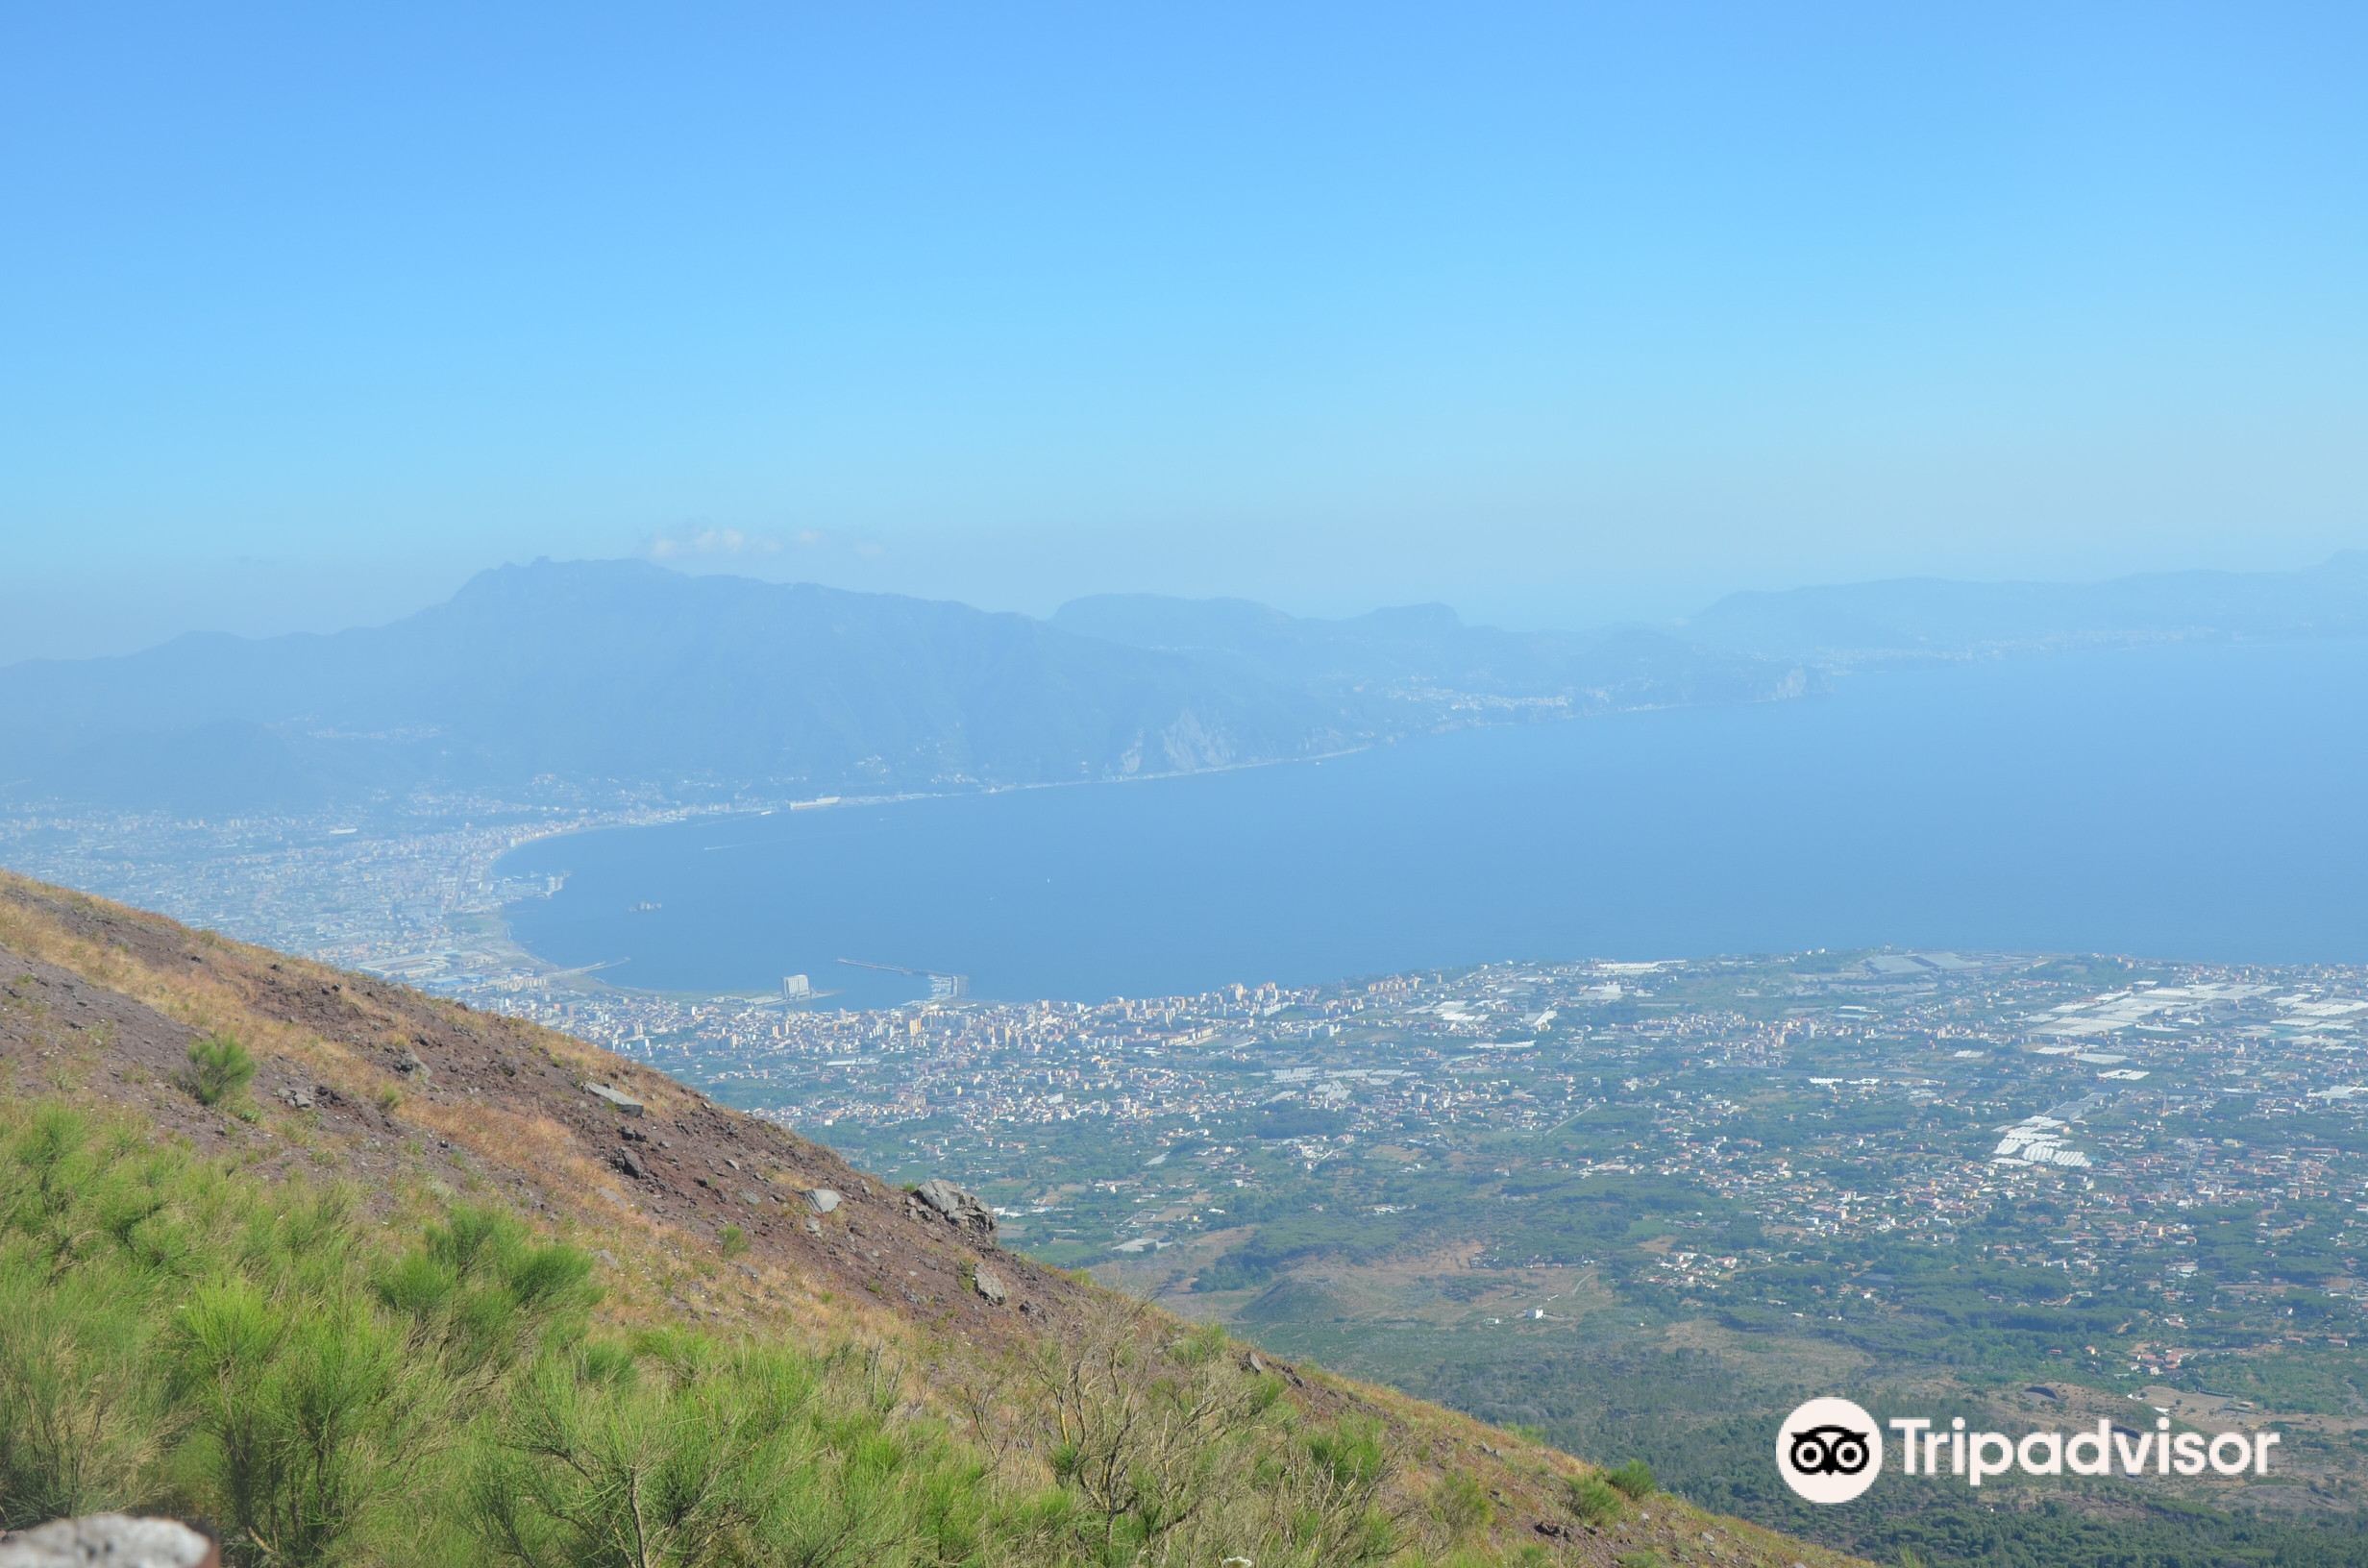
(360, 1277)
(179, 1339)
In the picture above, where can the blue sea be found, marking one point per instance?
(2183, 800)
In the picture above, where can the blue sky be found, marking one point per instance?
(1562, 313)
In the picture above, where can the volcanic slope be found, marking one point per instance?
(666, 1266)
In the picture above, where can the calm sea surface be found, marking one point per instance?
(2207, 801)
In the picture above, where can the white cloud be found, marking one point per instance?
(689, 544)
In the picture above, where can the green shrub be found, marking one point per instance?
(1461, 1504)
(80, 1416)
(219, 1070)
(181, 1338)
(176, 1338)
(733, 1239)
(1633, 1479)
(1594, 1500)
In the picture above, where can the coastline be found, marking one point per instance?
(1936, 760)
(486, 879)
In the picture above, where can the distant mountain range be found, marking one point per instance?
(1423, 653)
(619, 676)
(623, 674)
(1921, 617)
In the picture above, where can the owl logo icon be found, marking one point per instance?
(1829, 1450)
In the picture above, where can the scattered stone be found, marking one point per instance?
(617, 1098)
(813, 1226)
(296, 1097)
(750, 1196)
(634, 1135)
(629, 1163)
(956, 1207)
(116, 1540)
(822, 1200)
(1260, 1366)
(988, 1284)
(411, 1066)
(1551, 1530)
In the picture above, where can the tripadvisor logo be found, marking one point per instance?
(1831, 1450)
(1828, 1451)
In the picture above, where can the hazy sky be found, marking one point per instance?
(1560, 312)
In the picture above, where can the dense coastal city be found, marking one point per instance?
(2054, 1182)
(1834, 1098)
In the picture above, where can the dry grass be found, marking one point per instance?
(657, 1269)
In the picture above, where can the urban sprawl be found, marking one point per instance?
(1805, 1133)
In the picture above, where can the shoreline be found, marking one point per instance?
(1661, 772)
(501, 932)
(487, 877)
(527, 959)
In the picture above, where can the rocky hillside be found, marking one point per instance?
(1072, 1426)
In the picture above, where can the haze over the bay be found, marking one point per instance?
(941, 782)
(1570, 316)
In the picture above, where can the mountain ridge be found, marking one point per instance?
(1927, 615)
(633, 680)
(626, 676)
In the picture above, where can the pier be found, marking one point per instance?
(943, 987)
